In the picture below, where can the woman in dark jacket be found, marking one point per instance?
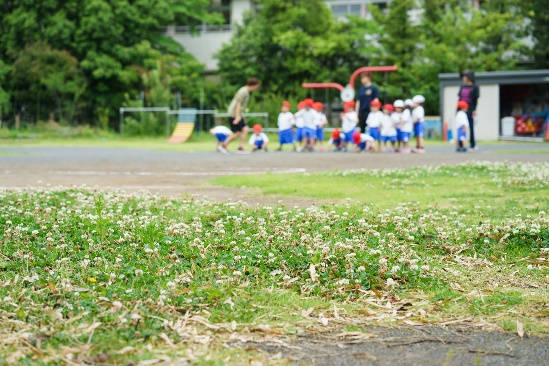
(469, 92)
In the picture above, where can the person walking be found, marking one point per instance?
(469, 93)
(238, 124)
(367, 93)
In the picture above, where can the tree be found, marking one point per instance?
(291, 42)
(4, 95)
(539, 17)
(40, 72)
(113, 42)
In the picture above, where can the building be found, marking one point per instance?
(210, 38)
(513, 105)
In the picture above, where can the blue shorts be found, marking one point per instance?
(374, 132)
(299, 133)
(259, 143)
(221, 137)
(399, 134)
(349, 136)
(418, 129)
(285, 136)
(309, 133)
(362, 145)
(384, 139)
(405, 136)
(320, 134)
(336, 143)
(461, 134)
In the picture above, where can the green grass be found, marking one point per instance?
(112, 277)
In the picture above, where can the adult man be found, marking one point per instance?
(236, 108)
(366, 94)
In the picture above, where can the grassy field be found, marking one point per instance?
(95, 277)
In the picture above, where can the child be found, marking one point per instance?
(418, 118)
(299, 126)
(285, 125)
(309, 116)
(320, 123)
(337, 139)
(407, 126)
(363, 141)
(462, 121)
(221, 133)
(388, 130)
(348, 122)
(259, 140)
(397, 119)
(374, 122)
(470, 92)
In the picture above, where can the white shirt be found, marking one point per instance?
(258, 137)
(365, 137)
(221, 129)
(309, 118)
(299, 121)
(348, 122)
(285, 121)
(388, 126)
(407, 125)
(397, 119)
(461, 119)
(418, 114)
(321, 121)
(374, 119)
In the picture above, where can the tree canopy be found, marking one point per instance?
(91, 50)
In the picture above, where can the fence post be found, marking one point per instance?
(121, 126)
(167, 123)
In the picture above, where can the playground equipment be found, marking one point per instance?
(347, 93)
(184, 127)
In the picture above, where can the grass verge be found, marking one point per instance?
(95, 277)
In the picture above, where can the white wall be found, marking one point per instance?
(203, 46)
(487, 123)
(238, 7)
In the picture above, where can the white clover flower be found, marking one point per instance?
(390, 282)
(237, 273)
(414, 267)
(425, 267)
(170, 284)
(382, 261)
(117, 304)
(395, 268)
(138, 272)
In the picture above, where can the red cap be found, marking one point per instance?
(356, 137)
(301, 105)
(335, 134)
(318, 106)
(463, 105)
(349, 104)
(309, 102)
(389, 107)
(375, 103)
(257, 128)
(286, 104)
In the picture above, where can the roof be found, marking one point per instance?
(500, 77)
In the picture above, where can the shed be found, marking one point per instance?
(512, 105)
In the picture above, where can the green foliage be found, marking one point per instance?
(288, 43)
(4, 94)
(537, 12)
(111, 43)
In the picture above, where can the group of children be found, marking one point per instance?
(390, 123)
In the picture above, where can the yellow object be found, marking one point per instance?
(182, 132)
(92, 280)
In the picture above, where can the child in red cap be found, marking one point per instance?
(374, 122)
(299, 126)
(309, 117)
(388, 130)
(462, 121)
(337, 139)
(286, 122)
(259, 139)
(349, 118)
(320, 123)
(363, 141)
